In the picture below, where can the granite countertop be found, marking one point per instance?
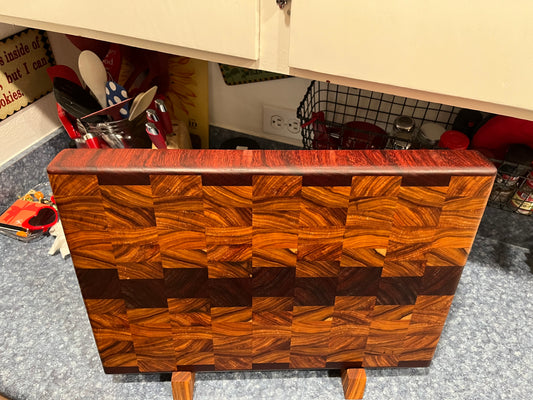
(47, 350)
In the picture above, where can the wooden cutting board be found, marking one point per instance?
(237, 260)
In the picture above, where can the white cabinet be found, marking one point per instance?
(226, 27)
(474, 53)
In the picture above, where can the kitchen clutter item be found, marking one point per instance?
(403, 130)
(499, 132)
(155, 136)
(340, 117)
(141, 102)
(468, 122)
(28, 218)
(362, 135)
(429, 135)
(513, 183)
(164, 116)
(60, 243)
(180, 137)
(122, 133)
(75, 100)
(453, 140)
(93, 73)
(522, 200)
(116, 94)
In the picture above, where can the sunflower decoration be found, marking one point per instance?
(181, 97)
(182, 80)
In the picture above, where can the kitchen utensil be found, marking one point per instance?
(94, 74)
(155, 136)
(153, 117)
(63, 71)
(75, 100)
(67, 123)
(117, 94)
(119, 134)
(114, 110)
(141, 102)
(91, 141)
(165, 116)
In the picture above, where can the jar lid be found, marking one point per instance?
(432, 131)
(454, 140)
(404, 124)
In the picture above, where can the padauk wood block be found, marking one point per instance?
(236, 260)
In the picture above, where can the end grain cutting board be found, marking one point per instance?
(237, 260)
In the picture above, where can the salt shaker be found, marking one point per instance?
(403, 129)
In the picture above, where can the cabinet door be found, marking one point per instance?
(476, 49)
(228, 27)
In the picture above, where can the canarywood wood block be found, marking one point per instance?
(182, 385)
(353, 383)
(205, 260)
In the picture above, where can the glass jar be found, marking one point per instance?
(522, 200)
(403, 129)
(429, 135)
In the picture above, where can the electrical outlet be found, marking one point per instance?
(281, 122)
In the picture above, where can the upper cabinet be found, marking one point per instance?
(225, 27)
(471, 54)
(475, 50)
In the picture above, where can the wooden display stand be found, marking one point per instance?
(182, 385)
(353, 384)
(228, 260)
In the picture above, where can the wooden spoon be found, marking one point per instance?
(141, 102)
(94, 74)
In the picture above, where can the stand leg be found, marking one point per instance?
(182, 385)
(353, 383)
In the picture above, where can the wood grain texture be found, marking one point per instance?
(353, 383)
(237, 260)
(182, 385)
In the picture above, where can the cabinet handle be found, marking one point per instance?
(282, 3)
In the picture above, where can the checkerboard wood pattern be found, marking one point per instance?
(237, 260)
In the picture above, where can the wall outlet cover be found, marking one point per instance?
(281, 122)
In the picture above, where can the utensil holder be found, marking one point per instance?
(132, 132)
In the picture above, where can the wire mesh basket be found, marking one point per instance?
(340, 117)
(513, 186)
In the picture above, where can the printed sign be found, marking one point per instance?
(24, 58)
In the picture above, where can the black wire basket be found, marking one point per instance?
(513, 186)
(340, 117)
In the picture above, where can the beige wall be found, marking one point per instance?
(29, 125)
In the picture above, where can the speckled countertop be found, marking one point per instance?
(486, 350)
